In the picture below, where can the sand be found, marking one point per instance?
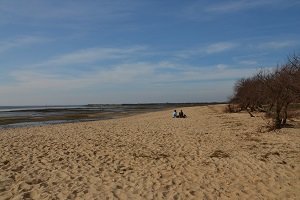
(209, 155)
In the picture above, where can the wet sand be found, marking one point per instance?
(209, 155)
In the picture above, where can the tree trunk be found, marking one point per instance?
(284, 114)
(270, 108)
(278, 118)
(277, 122)
(250, 113)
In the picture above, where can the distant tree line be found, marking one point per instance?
(270, 91)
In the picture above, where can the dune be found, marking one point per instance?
(209, 155)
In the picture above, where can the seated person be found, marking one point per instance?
(175, 114)
(181, 114)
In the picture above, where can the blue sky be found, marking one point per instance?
(137, 51)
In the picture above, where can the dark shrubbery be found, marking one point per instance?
(270, 91)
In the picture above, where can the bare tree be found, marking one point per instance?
(276, 89)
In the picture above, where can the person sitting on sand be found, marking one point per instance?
(175, 114)
(181, 114)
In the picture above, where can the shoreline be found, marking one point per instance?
(67, 120)
(73, 115)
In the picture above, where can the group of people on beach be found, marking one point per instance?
(179, 115)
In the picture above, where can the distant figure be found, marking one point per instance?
(181, 114)
(175, 114)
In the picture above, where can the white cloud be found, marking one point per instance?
(21, 41)
(222, 66)
(278, 44)
(238, 5)
(125, 73)
(32, 11)
(203, 11)
(218, 47)
(118, 74)
(248, 62)
(162, 81)
(92, 55)
(216, 74)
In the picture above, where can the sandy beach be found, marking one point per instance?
(209, 155)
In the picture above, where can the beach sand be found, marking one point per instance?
(209, 155)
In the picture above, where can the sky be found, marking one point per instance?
(75, 52)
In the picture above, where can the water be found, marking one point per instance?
(15, 111)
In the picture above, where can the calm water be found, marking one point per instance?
(15, 111)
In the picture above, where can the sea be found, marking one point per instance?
(20, 116)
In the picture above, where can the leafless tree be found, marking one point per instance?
(276, 89)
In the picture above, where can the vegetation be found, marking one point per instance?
(270, 91)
